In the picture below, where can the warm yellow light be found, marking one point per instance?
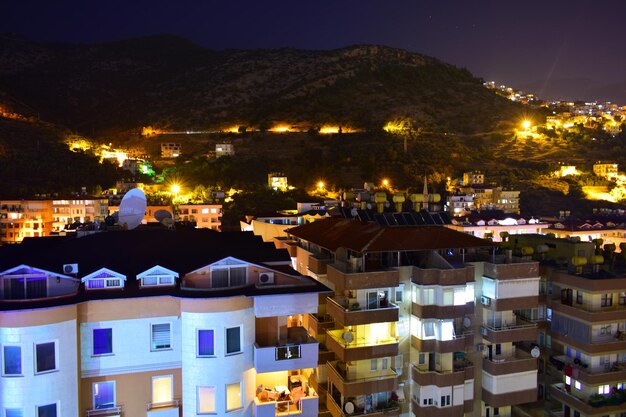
(320, 184)
(386, 182)
(526, 124)
(232, 129)
(280, 129)
(175, 188)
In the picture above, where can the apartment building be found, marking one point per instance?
(83, 209)
(24, 218)
(155, 323)
(206, 216)
(423, 319)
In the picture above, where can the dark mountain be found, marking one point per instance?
(170, 82)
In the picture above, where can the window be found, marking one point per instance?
(496, 411)
(288, 352)
(606, 300)
(49, 410)
(233, 396)
(604, 389)
(12, 364)
(498, 349)
(579, 297)
(422, 358)
(228, 277)
(14, 412)
(233, 340)
(162, 389)
(161, 336)
(384, 364)
(102, 341)
(578, 385)
(373, 365)
(429, 329)
(568, 380)
(206, 343)
(622, 298)
(103, 395)
(45, 354)
(206, 400)
(399, 295)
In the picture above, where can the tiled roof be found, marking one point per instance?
(361, 236)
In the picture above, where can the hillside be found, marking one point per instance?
(171, 83)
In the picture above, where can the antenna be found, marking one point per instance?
(132, 208)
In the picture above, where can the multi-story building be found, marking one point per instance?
(224, 149)
(473, 178)
(421, 319)
(206, 216)
(24, 218)
(82, 209)
(606, 170)
(170, 150)
(155, 323)
(482, 197)
(497, 225)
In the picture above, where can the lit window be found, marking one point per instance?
(103, 395)
(162, 387)
(12, 356)
(206, 343)
(206, 400)
(568, 380)
(102, 341)
(604, 389)
(213, 211)
(205, 211)
(161, 336)
(233, 396)
(577, 385)
(45, 357)
(233, 340)
(49, 410)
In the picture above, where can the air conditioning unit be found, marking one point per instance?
(485, 300)
(266, 278)
(70, 269)
(481, 347)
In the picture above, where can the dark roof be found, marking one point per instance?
(361, 236)
(135, 251)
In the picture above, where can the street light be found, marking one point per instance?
(385, 182)
(526, 124)
(175, 188)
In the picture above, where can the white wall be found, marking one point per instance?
(504, 384)
(221, 369)
(510, 288)
(131, 347)
(31, 390)
(285, 304)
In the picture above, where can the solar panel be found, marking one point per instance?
(400, 220)
(391, 220)
(381, 220)
(408, 218)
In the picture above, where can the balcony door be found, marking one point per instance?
(103, 395)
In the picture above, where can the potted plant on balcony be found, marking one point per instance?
(597, 400)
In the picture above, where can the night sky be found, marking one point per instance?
(578, 45)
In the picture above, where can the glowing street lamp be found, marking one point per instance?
(175, 188)
(385, 182)
(526, 124)
(320, 185)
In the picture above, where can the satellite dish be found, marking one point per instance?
(354, 212)
(161, 215)
(348, 407)
(535, 352)
(347, 337)
(168, 222)
(467, 323)
(132, 208)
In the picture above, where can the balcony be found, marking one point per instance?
(613, 344)
(560, 393)
(317, 264)
(344, 277)
(516, 270)
(164, 409)
(458, 343)
(115, 411)
(613, 313)
(441, 312)
(359, 348)
(351, 386)
(321, 323)
(286, 356)
(509, 398)
(457, 276)
(519, 362)
(351, 314)
(391, 409)
(458, 376)
(305, 407)
(432, 411)
(590, 376)
(518, 331)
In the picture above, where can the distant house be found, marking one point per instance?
(224, 149)
(170, 150)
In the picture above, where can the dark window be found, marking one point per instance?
(49, 410)
(102, 341)
(233, 340)
(496, 411)
(622, 298)
(498, 349)
(219, 278)
(579, 297)
(206, 343)
(607, 300)
(46, 358)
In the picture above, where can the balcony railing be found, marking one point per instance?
(351, 386)
(351, 313)
(520, 361)
(514, 332)
(105, 412)
(306, 407)
(286, 357)
(593, 376)
(358, 348)
(346, 277)
(389, 409)
(164, 409)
